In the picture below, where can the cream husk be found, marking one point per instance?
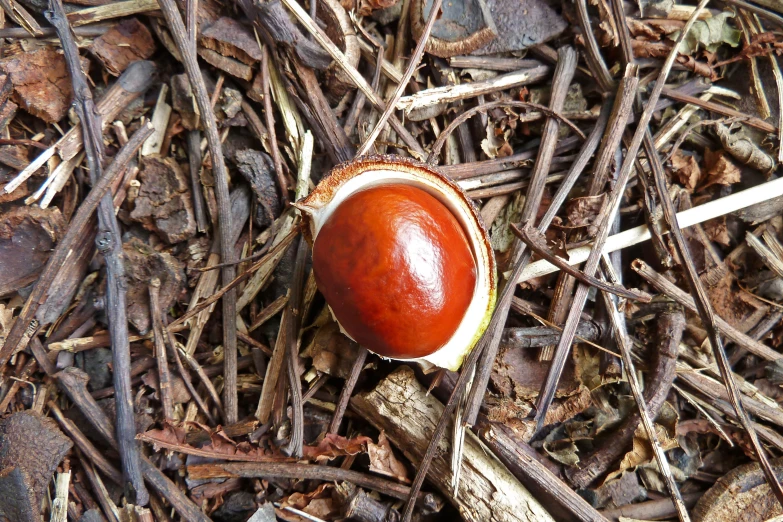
(477, 316)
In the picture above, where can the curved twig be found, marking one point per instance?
(491, 105)
(532, 239)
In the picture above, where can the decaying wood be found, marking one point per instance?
(400, 406)
(31, 448)
(537, 477)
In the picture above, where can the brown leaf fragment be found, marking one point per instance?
(179, 392)
(366, 7)
(31, 448)
(333, 445)
(220, 446)
(687, 170)
(123, 44)
(383, 461)
(14, 156)
(164, 204)
(717, 231)
(232, 39)
(720, 169)
(142, 263)
(41, 83)
(741, 494)
(27, 237)
(582, 211)
(519, 374)
(621, 491)
(319, 503)
(332, 352)
(740, 309)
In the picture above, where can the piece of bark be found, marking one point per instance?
(741, 494)
(164, 204)
(27, 236)
(183, 102)
(401, 407)
(41, 83)
(6, 87)
(7, 112)
(230, 38)
(258, 170)
(142, 263)
(123, 44)
(14, 156)
(6, 175)
(226, 64)
(31, 447)
(359, 506)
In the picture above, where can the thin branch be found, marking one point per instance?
(443, 136)
(608, 212)
(188, 53)
(164, 377)
(345, 394)
(353, 74)
(536, 243)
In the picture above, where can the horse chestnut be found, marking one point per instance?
(402, 259)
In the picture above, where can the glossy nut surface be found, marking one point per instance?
(396, 269)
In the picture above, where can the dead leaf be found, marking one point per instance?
(642, 452)
(383, 461)
(27, 237)
(717, 231)
(332, 352)
(720, 169)
(710, 34)
(496, 145)
(318, 503)
(332, 446)
(220, 445)
(687, 170)
(366, 7)
(582, 211)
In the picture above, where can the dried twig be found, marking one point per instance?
(164, 379)
(188, 53)
(606, 218)
(353, 74)
(347, 391)
(109, 242)
(536, 243)
(391, 104)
